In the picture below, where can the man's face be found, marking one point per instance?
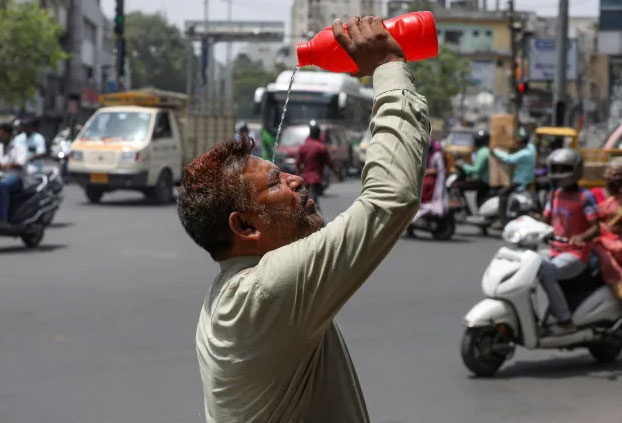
(284, 211)
(29, 129)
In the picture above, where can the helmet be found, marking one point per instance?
(565, 167)
(481, 138)
(314, 130)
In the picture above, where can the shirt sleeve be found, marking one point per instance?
(476, 167)
(309, 280)
(40, 144)
(19, 154)
(590, 207)
(508, 158)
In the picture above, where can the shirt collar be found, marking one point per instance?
(236, 264)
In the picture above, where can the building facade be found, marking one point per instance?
(70, 92)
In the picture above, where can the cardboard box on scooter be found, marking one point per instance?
(503, 129)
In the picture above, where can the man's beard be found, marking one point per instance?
(305, 220)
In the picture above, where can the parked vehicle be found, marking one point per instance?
(510, 316)
(140, 141)
(28, 210)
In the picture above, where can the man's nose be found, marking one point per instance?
(294, 182)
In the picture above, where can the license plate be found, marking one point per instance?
(99, 178)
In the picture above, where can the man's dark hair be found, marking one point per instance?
(213, 187)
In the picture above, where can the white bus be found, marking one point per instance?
(328, 98)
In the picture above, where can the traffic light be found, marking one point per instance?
(523, 87)
(119, 19)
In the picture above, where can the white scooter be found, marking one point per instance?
(519, 203)
(510, 316)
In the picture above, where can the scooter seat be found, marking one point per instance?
(578, 289)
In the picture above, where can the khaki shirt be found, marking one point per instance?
(267, 345)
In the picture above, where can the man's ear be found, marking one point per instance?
(242, 226)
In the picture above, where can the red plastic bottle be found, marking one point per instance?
(415, 32)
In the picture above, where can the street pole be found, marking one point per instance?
(513, 53)
(229, 78)
(207, 83)
(559, 95)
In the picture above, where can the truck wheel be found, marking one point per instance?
(162, 193)
(94, 195)
(477, 353)
(33, 235)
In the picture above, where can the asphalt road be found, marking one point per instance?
(98, 326)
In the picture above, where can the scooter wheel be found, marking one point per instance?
(445, 229)
(606, 352)
(33, 235)
(477, 353)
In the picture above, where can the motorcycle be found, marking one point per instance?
(61, 148)
(510, 316)
(484, 215)
(442, 227)
(55, 188)
(28, 207)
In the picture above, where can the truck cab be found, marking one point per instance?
(133, 143)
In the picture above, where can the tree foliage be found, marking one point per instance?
(441, 78)
(157, 52)
(29, 44)
(247, 77)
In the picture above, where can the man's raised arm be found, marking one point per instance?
(310, 280)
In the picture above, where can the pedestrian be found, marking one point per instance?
(268, 347)
(313, 157)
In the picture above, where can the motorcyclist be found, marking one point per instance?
(524, 161)
(12, 162)
(34, 144)
(478, 173)
(573, 213)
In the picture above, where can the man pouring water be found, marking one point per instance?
(268, 347)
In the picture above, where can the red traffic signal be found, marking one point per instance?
(523, 87)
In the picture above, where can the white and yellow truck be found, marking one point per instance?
(140, 140)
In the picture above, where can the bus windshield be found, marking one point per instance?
(125, 126)
(302, 108)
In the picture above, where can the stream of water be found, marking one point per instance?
(278, 131)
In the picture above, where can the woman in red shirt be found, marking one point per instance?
(608, 246)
